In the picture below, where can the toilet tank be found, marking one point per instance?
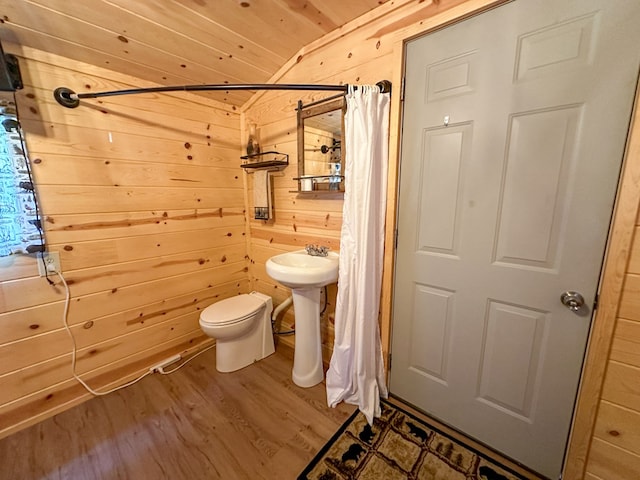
(268, 303)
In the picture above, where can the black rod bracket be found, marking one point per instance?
(66, 97)
(384, 86)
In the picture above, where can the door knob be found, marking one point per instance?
(572, 300)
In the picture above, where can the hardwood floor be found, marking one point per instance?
(194, 424)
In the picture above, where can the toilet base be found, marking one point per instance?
(237, 353)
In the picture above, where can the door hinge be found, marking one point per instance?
(388, 361)
(402, 85)
(395, 239)
(595, 301)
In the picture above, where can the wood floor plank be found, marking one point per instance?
(195, 423)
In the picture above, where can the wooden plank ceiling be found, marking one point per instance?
(177, 42)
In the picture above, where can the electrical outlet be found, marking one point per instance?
(52, 262)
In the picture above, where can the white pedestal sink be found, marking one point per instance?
(305, 275)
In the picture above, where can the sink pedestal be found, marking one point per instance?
(305, 275)
(307, 356)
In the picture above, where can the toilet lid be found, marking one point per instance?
(231, 310)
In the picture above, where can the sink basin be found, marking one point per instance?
(305, 275)
(298, 269)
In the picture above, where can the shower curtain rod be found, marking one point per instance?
(70, 99)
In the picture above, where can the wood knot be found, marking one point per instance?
(614, 433)
(35, 326)
(88, 325)
(68, 248)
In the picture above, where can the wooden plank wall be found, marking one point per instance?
(143, 198)
(615, 445)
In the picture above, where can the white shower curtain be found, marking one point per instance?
(356, 372)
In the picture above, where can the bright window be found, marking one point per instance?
(19, 220)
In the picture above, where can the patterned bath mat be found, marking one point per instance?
(399, 447)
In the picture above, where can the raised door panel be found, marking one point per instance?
(430, 332)
(536, 186)
(440, 188)
(510, 360)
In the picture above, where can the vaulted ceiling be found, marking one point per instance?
(177, 42)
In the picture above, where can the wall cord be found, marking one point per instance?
(65, 319)
(161, 369)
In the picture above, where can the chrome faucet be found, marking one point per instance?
(317, 250)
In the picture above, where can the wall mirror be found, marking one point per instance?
(320, 151)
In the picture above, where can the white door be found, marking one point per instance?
(514, 129)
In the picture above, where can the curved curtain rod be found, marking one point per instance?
(70, 99)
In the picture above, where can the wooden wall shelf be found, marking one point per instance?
(265, 160)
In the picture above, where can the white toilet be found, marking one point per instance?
(241, 326)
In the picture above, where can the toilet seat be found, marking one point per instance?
(231, 310)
